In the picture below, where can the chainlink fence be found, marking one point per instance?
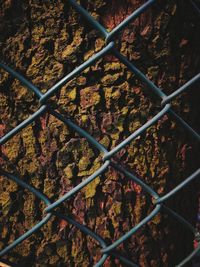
(108, 160)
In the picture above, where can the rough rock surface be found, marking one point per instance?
(45, 40)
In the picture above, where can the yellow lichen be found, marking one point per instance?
(68, 172)
(110, 79)
(84, 118)
(90, 189)
(83, 163)
(72, 94)
(12, 147)
(5, 202)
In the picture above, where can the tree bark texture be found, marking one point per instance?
(45, 40)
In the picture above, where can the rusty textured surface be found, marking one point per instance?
(44, 41)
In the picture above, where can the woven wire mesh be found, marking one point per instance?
(108, 160)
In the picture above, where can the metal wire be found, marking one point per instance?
(107, 159)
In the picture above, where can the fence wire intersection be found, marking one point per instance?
(107, 159)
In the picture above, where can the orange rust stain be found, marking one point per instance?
(118, 12)
(2, 129)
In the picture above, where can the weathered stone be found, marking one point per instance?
(46, 41)
(89, 97)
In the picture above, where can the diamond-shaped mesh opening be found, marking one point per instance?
(77, 152)
(24, 101)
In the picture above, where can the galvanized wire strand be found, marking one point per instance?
(99, 239)
(96, 25)
(156, 90)
(78, 187)
(183, 88)
(189, 129)
(189, 257)
(80, 131)
(158, 202)
(129, 19)
(130, 66)
(137, 132)
(22, 125)
(179, 218)
(179, 187)
(133, 230)
(189, 227)
(38, 225)
(93, 235)
(86, 231)
(75, 72)
(23, 80)
(196, 8)
(138, 181)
